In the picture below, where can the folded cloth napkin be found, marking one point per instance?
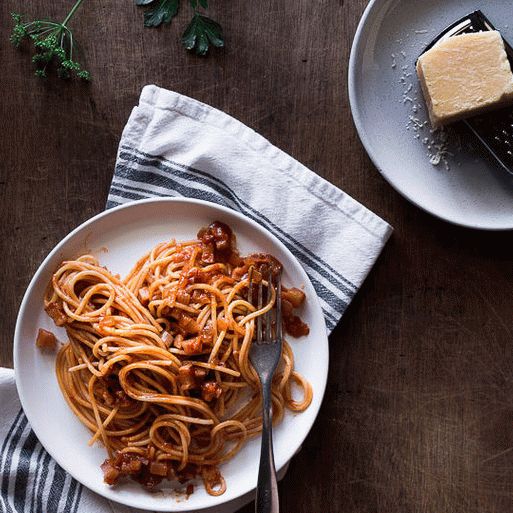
(176, 146)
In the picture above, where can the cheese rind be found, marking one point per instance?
(465, 75)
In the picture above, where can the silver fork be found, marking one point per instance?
(265, 355)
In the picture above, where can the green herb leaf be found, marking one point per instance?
(163, 13)
(201, 33)
(203, 3)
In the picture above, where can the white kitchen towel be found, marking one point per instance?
(176, 146)
(173, 145)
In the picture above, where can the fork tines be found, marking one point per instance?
(268, 326)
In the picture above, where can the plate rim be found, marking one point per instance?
(104, 492)
(356, 50)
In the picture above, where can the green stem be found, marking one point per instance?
(72, 12)
(42, 33)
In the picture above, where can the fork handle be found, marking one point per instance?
(267, 487)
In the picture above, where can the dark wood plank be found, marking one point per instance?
(418, 410)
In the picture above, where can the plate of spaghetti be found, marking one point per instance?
(132, 354)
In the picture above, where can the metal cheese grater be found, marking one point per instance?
(494, 129)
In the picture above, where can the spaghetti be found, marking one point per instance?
(157, 365)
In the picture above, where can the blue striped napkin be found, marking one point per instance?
(175, 146)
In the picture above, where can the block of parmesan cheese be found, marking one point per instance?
(465, 75)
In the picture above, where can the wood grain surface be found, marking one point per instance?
(418, 413)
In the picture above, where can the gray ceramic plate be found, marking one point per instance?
(466, 187)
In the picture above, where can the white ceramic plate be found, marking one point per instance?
(474, 191)
(119, 237)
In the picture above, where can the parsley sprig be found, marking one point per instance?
(201, 32)
(54, 43)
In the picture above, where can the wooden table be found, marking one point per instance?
(418, 413)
